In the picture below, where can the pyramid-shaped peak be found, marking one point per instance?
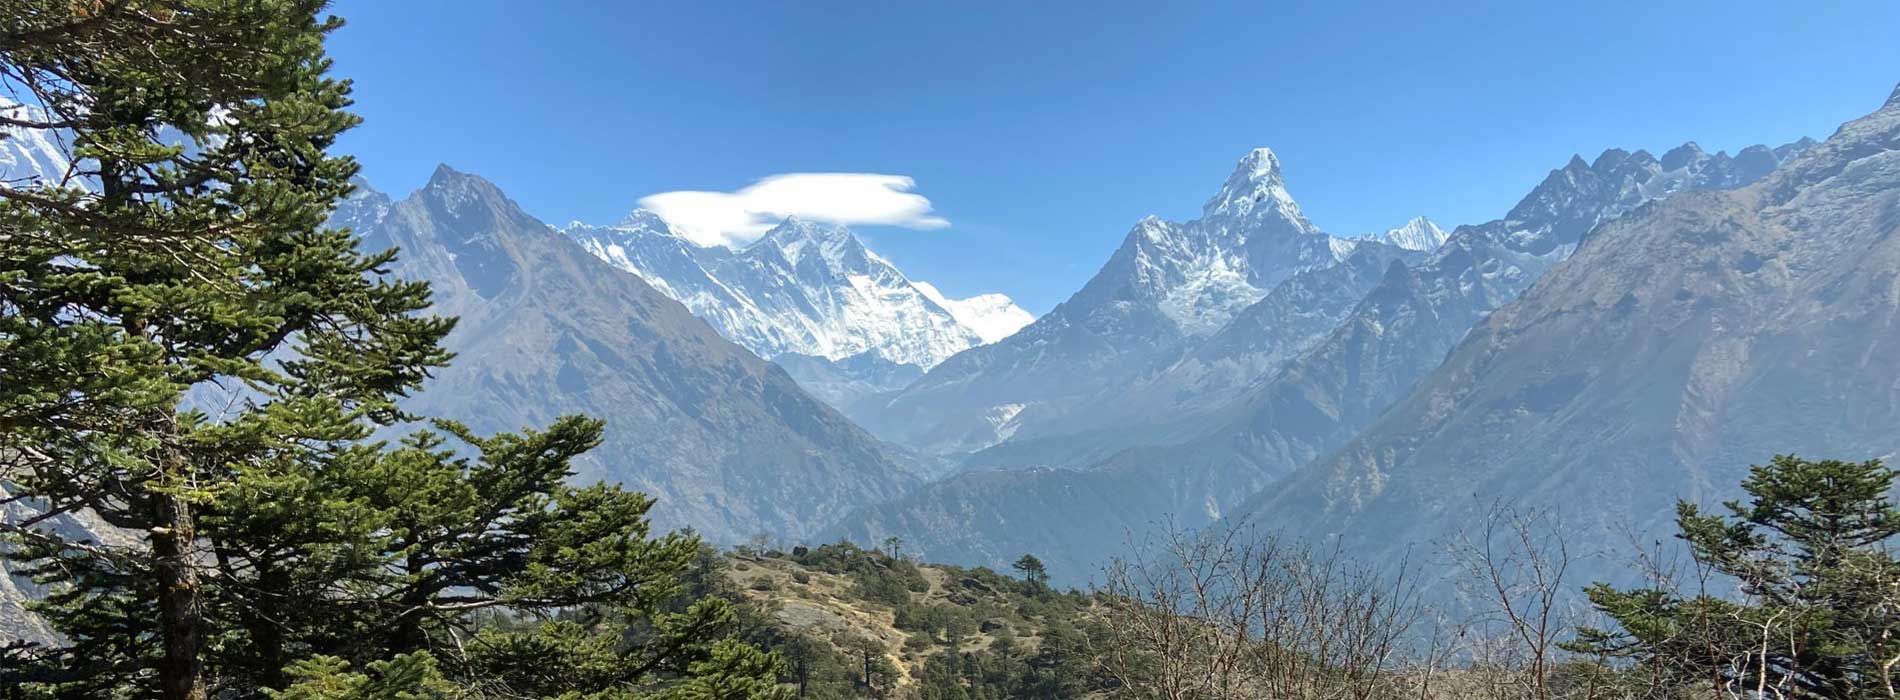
(456, 190)
(1257, 164)
(445, 175)
(1893, 100)
(794, 237)
(1256, 188)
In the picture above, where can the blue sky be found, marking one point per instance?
(1042, 131)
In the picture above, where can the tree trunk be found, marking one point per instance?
(181, 623)
(173, 534)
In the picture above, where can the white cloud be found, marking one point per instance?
(738, 218)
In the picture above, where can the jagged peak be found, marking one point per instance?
(454, 189)
(795, 228)
(445, 175)
(1257, 164)
(1419, 233)
(1152, 226)
(1893, 100)
(361, 190)
(1681, 156)
(1609, 159)
(793, 235)
(645, 219)
(1255, 188)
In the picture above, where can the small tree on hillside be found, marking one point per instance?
(876, 674)
(1034, 573)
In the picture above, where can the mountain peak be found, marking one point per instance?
(1681, 156)
(644, 219)
(992, 316)
(445, 175)
(1419, 234)
(1255, 188)
(1609, 158)
(458, 185)
(1257, 164)
(1893, 100)
(457, 192)
(794, 236)
(794, 228)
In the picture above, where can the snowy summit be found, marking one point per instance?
(805, 287)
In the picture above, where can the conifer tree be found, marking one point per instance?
(192, 358)
(183, 251)
(1811, 551)
(1032, 569)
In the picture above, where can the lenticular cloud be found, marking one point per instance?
(737, 218)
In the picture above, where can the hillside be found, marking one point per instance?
(1681, 343)
(1303, 370)
(729, 444)
(841, 614)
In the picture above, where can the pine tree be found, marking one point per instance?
(183, 265)
(1812, 554)
(184, 251)
(1034, 574)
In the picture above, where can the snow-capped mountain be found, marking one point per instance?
(728, 443)
(992, 316)
(1250, 237)
(1322, 370)
(31, 157)
(1168, 287)
(1419, 234)
(806, 288)
(1676, 345)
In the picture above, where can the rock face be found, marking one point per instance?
(729, 443)
(1289, 379)
(1681, 343)
(806, 287)
(1168, 283)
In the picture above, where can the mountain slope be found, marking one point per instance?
(807, 288)
(729, 443)
(1195, 394)
(1309, 402)
(1167, 283)
(1403, 328)
(1680, 344)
